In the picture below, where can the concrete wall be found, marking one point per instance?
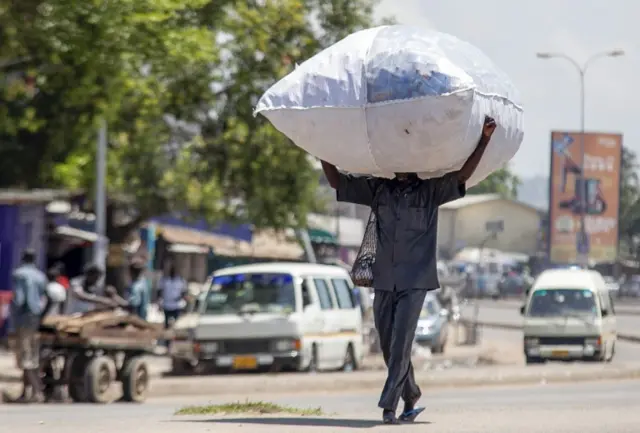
(465, 227)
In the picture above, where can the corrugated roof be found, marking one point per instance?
(32, 196)
(473, 199)
(469, 200)
(222, 245)
(266, 244)
(269, 244)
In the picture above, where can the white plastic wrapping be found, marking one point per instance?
(398, 99)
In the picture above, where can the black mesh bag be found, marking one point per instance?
(362, 270)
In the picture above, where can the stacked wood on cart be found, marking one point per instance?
(86, 355)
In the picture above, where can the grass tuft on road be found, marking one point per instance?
(259, 407)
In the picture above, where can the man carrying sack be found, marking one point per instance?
(402, 234)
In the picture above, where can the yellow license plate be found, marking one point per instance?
(245, 363)
(560, 353)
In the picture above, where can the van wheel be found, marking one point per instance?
(349, 360)
(313, 363)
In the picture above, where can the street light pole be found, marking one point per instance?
(582, 257)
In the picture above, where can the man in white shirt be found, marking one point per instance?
(174, 289)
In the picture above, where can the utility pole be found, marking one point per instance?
(101, 244)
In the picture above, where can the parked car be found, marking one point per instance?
(630, 288)
(512, 284)
(613, 285)
(432, 330)
(272, 316)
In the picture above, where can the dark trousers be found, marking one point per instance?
(170, 316)
(396, 317)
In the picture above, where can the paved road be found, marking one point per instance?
(501, 313)
(625, 352)
(578, 408)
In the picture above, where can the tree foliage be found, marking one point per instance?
(176, 82)
(502, 182)
(629, 202)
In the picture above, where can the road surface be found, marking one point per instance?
(571, 408)
(491, 311)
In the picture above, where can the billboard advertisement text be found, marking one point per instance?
(596, 194)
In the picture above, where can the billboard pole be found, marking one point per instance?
(582, 241)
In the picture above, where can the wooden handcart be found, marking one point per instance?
(84, 356)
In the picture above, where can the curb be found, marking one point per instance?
(336, 382)
(220, 386)
(621, 336)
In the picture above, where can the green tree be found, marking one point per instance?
(263, 41)
(629, 202)
(176, 81)
(76, 61)
(502, 182)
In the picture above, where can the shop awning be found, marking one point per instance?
(188, 249)
(76, 233)
(320, 236)
(221, 245)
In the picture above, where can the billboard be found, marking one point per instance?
(601, 187)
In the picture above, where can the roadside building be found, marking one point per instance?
(463, 223)
(23, 225)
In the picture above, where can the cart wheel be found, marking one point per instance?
(52, 389)
(98, 377)
(76, 383)
(47, 375)
(135, 380)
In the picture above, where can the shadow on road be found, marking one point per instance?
(301, 421)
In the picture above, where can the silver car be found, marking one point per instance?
(432, 330)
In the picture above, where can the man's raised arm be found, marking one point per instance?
(350, 188)
(331, 173)
(469, 167)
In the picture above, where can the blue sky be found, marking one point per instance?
(511, 32)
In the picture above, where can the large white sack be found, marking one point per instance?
(397, 99)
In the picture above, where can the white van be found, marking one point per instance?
(273, 316)
(569, 315)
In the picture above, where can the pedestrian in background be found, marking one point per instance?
(174, 290)
(56, 294)
(29, 287)
(138, 296)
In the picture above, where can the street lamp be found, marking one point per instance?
(583, 258)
